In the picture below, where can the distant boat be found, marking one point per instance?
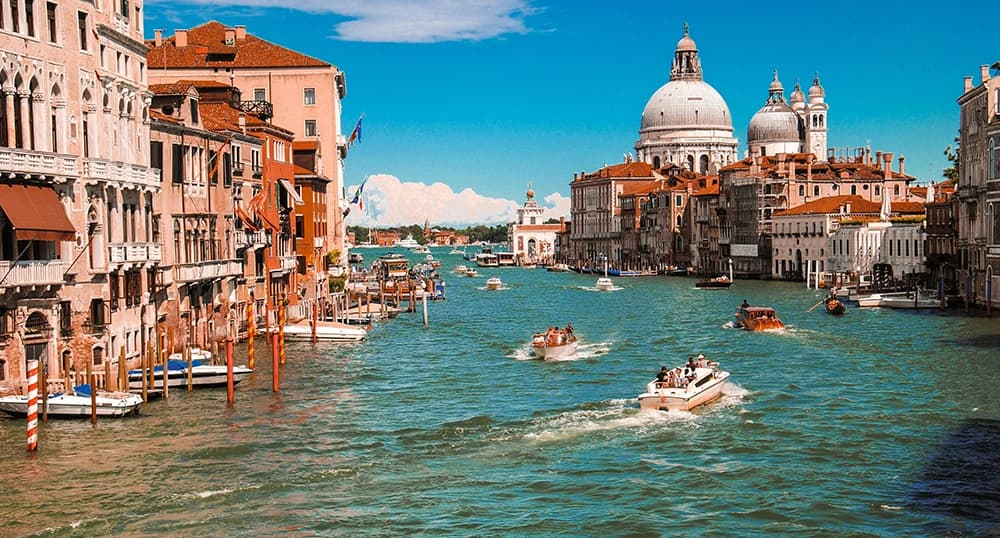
(456, 251)
(409, 242)
(559, 268)
(717, 283)
(327, 331)
(493, 283)
(604, 284)
(834, 306)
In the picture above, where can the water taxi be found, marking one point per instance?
(604, 284)
(685, 387)
(554, 343)
(717, 283)
(471, 271)
(757, 318)
(493, 283)
(461, 269)
(559, 268)
(326, 331)
(76, 404)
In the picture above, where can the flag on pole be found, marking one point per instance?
(357, 193)
(356, 133)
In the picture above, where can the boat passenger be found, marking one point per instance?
(662, 377)
(745, 304)
(690, 367)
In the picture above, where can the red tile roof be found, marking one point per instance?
(622, 170)
(832, 204)
(206, 48)
(221, 116)
(172, 88)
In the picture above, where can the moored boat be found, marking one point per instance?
(493, 283)
(698, 382)
(202, 374)
(716, 283)
(554, 343)
(327, 331)
(76, 404)
(559, 268)
(910, 300)
(757, 318)
(604, 284)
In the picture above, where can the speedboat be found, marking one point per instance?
(493, 283)
(908, 300)
(717, 283)
(456, 251)
(202, 374)
(557, 344)
(461, 269)
(685, 388)
(471, 272)
(559, 268)
(604, 284)
(757, 318)
(76, 404)
(327, 331)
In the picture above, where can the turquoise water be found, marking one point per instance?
(880, 423)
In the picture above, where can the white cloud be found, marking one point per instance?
(406, 21)
(391, 202)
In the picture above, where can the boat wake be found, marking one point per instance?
(595, 288)
(589, 351)
(501, 288)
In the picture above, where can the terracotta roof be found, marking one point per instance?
(221, 116)
(644, 187)
(304, 145)
(622, 170)
(172, 88)
(832, 204)
(711, 190)
(206, 47)
(821, 170)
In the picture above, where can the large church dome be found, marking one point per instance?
(775, 127)
(687, 104)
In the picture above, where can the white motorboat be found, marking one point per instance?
(604, 284)
(909, 301)
(76, 404)
(554, 344)
(493, 283)
(685, 388)
(461, 269)
(471, 272)
(559, 268)
(202, 374)
(456, 251)
(327, 331)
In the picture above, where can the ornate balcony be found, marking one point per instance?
(28, 274)
(38, 163)
(288, 263)
(253, 240)
(125, 174)
(122, 253)
(193, 272)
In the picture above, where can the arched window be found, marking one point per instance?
(678, 219)
(802, 190)
(99, 356)
(820, 120)
(815, 190)
(704, 164)
(854, 189)
(656, 162)
(177, 241)
(878, 190)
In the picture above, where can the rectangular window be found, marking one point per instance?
(124, 9)
(65, 318)
(156, 155)
(309, 96)
(177, 163)
(15, 16)
(50, 17)
(227, 170)
(300, 226)
(213, 167)
(113, 286)
(29, 17)
(679, 201)
(238, 158)
(82, 29)
(255, 160)
(99, 356)
(310, 128)
(259, 94)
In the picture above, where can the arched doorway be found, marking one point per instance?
(36, 335)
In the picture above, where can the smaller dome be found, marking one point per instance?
(776, 84)
(530, 194)
(775, 122)
(797, 96)
(686, 43)
(816, 91)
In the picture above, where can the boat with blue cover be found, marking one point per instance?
(202, 373)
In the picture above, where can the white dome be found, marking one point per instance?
(775, 122)
(689, 104)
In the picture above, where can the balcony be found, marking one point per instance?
(124, 174)
(318, 242)
(38, 163)
(28, 274)
(253, 240)
(122, 253)
(288, 263)
(210, 270)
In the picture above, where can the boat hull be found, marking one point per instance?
(685, 399)
(325, 333)
(74, 406)
(554, 352)
(201, 376)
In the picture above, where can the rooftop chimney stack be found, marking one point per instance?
(887, 168)
(968, 84)
(984, 73)
(230, 37)
(241, 32)
(902, 168)
(158, 37)
(180, 38)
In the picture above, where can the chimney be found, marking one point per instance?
(809, 166)
(180, 38)
(878, 159)
(847, 208)
(791, 169)
(968, 84)
(230, 37)
(158, 37)
(887, 168)
(241, 32)
(984, 73)
(242, 122)
(902, 168)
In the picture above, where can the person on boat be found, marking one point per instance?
(662, 376)
(569, 329)
(690, 368)
(745, 304)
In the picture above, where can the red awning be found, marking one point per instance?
(36, 213)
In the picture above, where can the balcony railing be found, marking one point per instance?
(24, 161)
(257, 239)
(127, 174)
(192, 272)
(135, 252)
(289, 263)
(32, 273)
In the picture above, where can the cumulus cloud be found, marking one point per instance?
(406, 21)
(391, 202)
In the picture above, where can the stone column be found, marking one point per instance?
(41, 121)
(24, 99)
(8, 97)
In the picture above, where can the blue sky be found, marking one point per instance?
(485, 96)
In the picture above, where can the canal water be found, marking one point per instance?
(880, 422)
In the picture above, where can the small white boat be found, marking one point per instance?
(326, 331)
(202, 374)
(554, 345)
(493, 283)
(461, 269)
(559, 268)
(908, 301)
(456, 251)
(604, 284)
(685, 388)
(77, 404)
(471, 272)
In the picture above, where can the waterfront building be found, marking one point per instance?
(314, 262)
(753, 189)
(686, 122)
(300, 93)
(978, 192)
(941, 233)
(384, 238)
(77, 188)
(595, 211)
(706, 258)
(531, 240)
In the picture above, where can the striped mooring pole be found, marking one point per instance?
(33, 405)
(251, 329)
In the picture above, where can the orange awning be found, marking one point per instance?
(36, 213)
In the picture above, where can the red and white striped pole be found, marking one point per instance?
(251, 329)
(32, 405)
